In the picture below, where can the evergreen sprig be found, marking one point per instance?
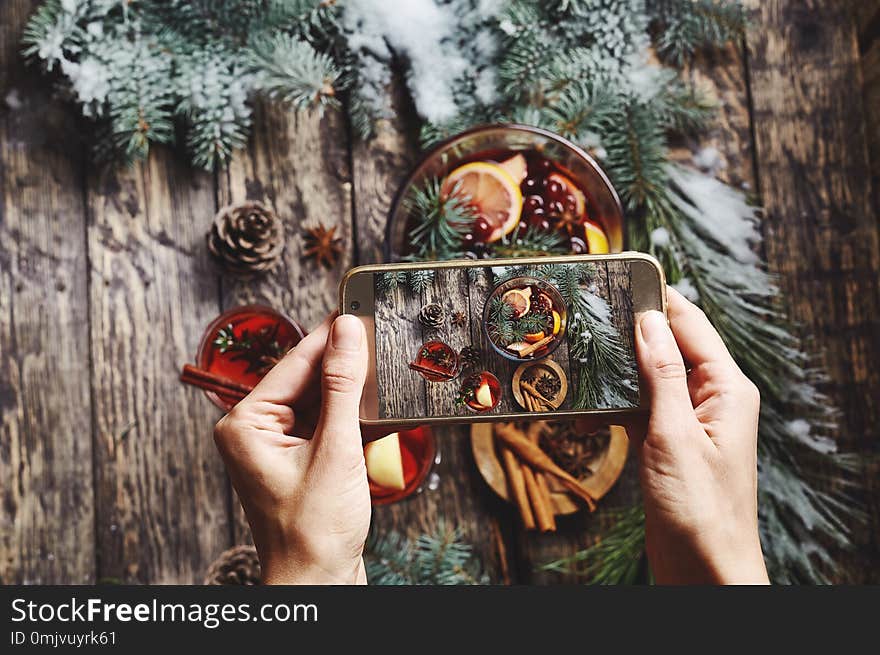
(615, 558)
(440, 221)
(685, 26)
(436, 557)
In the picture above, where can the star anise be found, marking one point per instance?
(459, 319)
(322, 245)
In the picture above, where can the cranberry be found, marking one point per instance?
(555, 207)
(531, 203)
(467, 240)
(578, 246)
(543, 165)
(482, 230)
(555, 190)
(530, 185)
(570, 203)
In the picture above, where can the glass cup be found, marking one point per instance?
(255, 318)
(574, 161)
(419, 452)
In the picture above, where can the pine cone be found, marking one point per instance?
(246, 239)
(236, 566)
(432, 316)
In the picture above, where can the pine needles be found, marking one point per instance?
(441, 220)
(438, 557)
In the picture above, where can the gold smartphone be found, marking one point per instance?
(502, 339)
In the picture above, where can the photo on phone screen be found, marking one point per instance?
(454, 342)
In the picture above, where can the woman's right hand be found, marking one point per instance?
(697, 452)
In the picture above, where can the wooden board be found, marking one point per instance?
(46, 504)
(161, 493)
(820, 225)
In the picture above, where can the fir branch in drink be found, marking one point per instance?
(534, 243)
(440, 221)
(615, 558)
(505, 328)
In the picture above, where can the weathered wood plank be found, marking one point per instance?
(450, 291)
(298, 165)
(47, 510)
(620, 302)
(820, 227)
(161, 493)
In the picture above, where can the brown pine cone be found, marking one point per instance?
(432, 316)
(246, 239)
(236, 566)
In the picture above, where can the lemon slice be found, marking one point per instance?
(557, 322)
(518, 301)
(492, 190)
(597, 242)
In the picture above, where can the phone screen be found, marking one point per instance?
(488, 339)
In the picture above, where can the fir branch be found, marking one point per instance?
(438, 557)
(291, 70)
(615, 558)
(388, 282)
(420, 280)
(440, 221)
(684, 26)
(534, 243)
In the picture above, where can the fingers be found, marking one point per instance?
(297, 370)
(342, 381)
(663, 372)
(699, 342)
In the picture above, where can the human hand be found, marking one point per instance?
(697, 452)
(294, 453)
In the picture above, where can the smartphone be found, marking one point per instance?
(502, 339)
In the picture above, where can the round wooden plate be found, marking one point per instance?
(608, 468)
(550, 367)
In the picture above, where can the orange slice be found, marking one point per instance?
(597, 242)
(557, 322)
(571, 187)
(517, 167)
(518, 300)
(492, 190)
(534, 337)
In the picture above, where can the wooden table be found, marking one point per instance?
(107, 467)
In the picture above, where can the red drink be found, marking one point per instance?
(481, 391)
(436, 362)
(243, 344)
(525, 318)
(417, 451)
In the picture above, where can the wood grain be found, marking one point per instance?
(47, 510)
(820, 226)
(161, 493)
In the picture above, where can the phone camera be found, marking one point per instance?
(355, 305)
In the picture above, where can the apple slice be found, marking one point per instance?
(385, 463)
(516, 166)
(483, 395)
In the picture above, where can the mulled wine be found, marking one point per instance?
(398, 464)
(480, 391)
(436, 362)
(525, 318)
(243, 344)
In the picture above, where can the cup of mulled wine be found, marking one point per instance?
(243, 344)
(539, 183)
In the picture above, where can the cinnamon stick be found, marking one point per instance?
(537, 458)
(540, 505)
(541, 478)
(517, 486)
(525, 352)
(201, 374)
(530, 388)
(216, 388)
(430, 371)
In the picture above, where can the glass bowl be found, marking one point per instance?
(558, 305)
(251, 317)
(573, 160)
(419, 451)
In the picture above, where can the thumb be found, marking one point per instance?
(663, 372)
(342, 382)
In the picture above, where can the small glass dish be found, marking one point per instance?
(272, 332)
